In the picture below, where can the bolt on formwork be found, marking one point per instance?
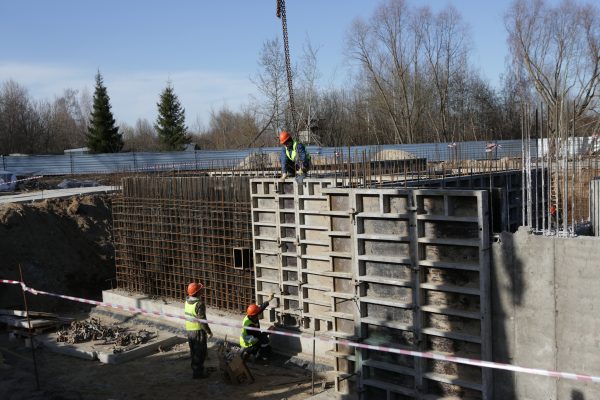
(169, 231)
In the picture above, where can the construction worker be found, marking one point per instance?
(295, 160)
(255, 342)
(197, 332)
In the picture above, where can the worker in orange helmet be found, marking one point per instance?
(295, 160)
(255, 342)
(197, 331)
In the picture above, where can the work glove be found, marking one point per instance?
(284, 176)
(272, 296)
(300, 172)
(210, 335)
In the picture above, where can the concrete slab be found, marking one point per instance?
(104, 353)
(55, 193)
(83, 350)
(138, 352)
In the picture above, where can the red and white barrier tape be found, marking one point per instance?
(21, 180)
(430, 355)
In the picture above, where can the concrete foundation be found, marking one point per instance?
(544, 297)
(290, 346)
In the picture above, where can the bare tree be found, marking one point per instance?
(229, 129)
(397, 51)
(141, 137)
(308, 94)
(559, 50)
(19, 122)
(446, 47)
(272, 84)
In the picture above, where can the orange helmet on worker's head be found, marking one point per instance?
(284, 137)
(253, 309)
(194, 288)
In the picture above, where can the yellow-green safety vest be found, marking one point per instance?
(247, 340)
(190, 311)
(292, 156)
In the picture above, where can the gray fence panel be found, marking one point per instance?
(203, 159)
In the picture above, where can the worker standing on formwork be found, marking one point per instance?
(197, 332)
(255, 342)
(295, 160)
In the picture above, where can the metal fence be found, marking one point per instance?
(75, 164)
(72, 164)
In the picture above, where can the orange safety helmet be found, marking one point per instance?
(253, 310)
(284, 137)
(194, 288)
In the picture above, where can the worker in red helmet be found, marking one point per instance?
(295, 160)
(255, 342)
(197, 331)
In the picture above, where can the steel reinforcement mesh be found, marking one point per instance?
(169, 231)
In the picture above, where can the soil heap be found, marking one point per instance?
(63, 246)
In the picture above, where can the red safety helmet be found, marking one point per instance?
(194, 288)
(284, 137)
(253, 310)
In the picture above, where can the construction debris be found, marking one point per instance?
(92, 329)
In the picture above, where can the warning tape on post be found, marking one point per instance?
(388, 349)
(20, 180)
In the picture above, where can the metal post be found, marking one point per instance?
(37, 378)
(313, 363)
(543, 169)
(522, 165)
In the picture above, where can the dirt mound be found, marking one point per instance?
(62, 245)
(394, 155)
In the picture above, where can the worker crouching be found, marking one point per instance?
(295, 160)
(254, 342)
(197, 332)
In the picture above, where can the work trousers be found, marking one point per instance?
(291, 167)
(261, 348)
(198, 351)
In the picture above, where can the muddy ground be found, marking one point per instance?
(64, 246)
(162, 375)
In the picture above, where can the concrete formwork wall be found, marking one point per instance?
(507, 190)
(545, 291)
(402, 268)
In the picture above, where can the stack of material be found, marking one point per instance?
(38, 322)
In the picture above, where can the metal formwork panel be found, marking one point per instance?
(344, 306)
(401, 268)
(453, 264)
(386, 280)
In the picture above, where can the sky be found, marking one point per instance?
(207, 49)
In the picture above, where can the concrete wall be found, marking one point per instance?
(545, 297)
(289, 346)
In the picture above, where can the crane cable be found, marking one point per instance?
(288, 67)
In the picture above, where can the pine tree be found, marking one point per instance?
(103, 136)
(170, 124)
